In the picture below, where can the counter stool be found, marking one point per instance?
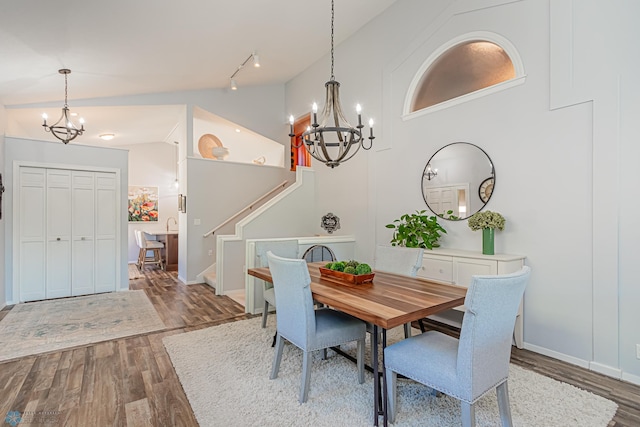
(146, 245)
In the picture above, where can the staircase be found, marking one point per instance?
(210, 278)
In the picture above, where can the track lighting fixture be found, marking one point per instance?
(256, 63)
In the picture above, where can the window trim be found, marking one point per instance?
(497, 39)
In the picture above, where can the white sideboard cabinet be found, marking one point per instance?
(456, 267)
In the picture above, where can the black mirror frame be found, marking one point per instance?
(491, 179)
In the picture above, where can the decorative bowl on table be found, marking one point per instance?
(348, 271)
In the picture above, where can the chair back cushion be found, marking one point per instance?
(317, 253)
(282, 248)
(491, 306)
(138, 238)
(295, 316)
(398, 259)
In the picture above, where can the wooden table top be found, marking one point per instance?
(390, 300)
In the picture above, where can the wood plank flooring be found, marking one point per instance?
(124, 382)
(131, 381)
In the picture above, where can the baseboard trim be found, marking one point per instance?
(605, 370)
(633, 379)
(556, 355)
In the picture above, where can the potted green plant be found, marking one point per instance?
(487, 221)
(417, 230)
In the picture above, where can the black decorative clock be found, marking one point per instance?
(485, 189)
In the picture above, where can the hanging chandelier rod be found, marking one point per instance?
(347, 140)
(64, 129)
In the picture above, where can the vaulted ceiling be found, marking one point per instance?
(118, 47)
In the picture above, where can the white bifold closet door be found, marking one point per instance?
(33, 250)
(68, 233)
(82, 233)
(105, 232)
(58, 214)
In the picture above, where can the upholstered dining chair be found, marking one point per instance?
(469, 367)
(146, 245)
(318, 253)
(303, 326)
(283, 248)
(399, 260)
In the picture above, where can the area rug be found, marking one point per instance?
(134, 272)
(224, 371)
(43, 326)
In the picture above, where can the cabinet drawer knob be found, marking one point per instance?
(58, 239)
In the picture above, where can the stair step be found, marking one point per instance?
(210, 279)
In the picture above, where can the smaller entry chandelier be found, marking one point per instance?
(429, 172)
(333, 140)
(64, 129)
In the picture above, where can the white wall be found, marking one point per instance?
(259, 108)
(5, 205)
(244, 145)
(215, 191)
(153, 164)
(563, 144)
(25, 150)
(287, 215)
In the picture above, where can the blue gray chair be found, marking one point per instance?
(399, 260)
(304, 327)
(284, 248)
(478, 362)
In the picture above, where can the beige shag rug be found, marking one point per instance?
(43, 326)
(224, 371)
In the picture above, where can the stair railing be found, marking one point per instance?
(245, 209)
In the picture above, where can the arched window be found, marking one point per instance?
(458, 70)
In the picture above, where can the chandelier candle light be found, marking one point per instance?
(430, 173)
(346, 139)
(64, 129)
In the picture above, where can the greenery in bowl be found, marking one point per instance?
(417, 230)
(486, 219)
(349, 267)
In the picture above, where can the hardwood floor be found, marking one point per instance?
(123, 382)
(131, 381)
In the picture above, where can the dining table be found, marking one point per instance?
(388, 301)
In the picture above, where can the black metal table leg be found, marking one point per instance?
(379, 389)
(376, 378)
(384, 380)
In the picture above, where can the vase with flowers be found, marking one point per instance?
(487, 221)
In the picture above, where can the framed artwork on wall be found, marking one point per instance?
(143, 203)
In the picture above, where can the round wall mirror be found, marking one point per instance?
(458, 180)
